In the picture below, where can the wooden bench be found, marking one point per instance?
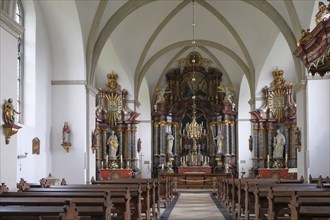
(153, 188)
(279, 196)
(309, 207)
(254, 194)
(244, 192)
(65, 211)
(121, 198)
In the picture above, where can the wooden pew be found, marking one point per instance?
(279, 196)
(101, 203)
(245, 191)
(153, 186)
(121, 197)
(66, 211)
(309, 207)
(255, 194)
(320, 178)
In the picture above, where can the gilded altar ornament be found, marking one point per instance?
(94, 140)
(8, 116)
(277, 95)
(66, 137)
(298, 139)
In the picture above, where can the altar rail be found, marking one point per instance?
(194, 180)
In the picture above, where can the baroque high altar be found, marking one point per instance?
(194, 117)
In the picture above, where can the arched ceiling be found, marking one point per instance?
(146, 37)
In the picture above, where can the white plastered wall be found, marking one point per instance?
(244, 129)
(318, 141)
(145, 131)
(8, 152)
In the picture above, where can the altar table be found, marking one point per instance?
(276, 173)
(194, 169)
(112, 174)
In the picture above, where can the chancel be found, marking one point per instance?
(186, 109)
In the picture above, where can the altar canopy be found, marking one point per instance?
(194, 119)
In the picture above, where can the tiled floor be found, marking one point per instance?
(192, 205)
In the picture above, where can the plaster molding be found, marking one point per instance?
(301, 86)
(68, 82)
(10, 25)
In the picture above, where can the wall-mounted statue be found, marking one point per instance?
(36, 146)
(66, 133)
(66, 137)
(9, 112)
(8, 116)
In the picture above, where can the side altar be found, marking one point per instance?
(275, 139)
(114, 137)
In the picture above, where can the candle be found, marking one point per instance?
(267, 158)
(162, 166)
(121, 158)
(286, 157)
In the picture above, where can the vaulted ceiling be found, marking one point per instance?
(146, 37)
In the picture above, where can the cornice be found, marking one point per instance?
(10, 25)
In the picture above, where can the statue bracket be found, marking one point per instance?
(9, 130)
(66, 146)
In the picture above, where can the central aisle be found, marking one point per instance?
(195, 206)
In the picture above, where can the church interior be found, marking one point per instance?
(206, 94)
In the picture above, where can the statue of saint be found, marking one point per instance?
(113, 145)
(9, 112)
(250, 143)
(66, 134)
(219, 139)
(279, 142)
(94, 140)
(170, 139)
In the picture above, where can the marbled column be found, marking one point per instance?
(133, 146)
(293, 149)
(162, 138)
(232, 134)
(227, 138)
(104, 141)
(287, 141)
(129, 144)
(176, 145)
(261, 145)
(156, 139)
(213, 133)
(255, 146)
(120, 139)
(270, 141)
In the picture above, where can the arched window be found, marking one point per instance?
(20, 62)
